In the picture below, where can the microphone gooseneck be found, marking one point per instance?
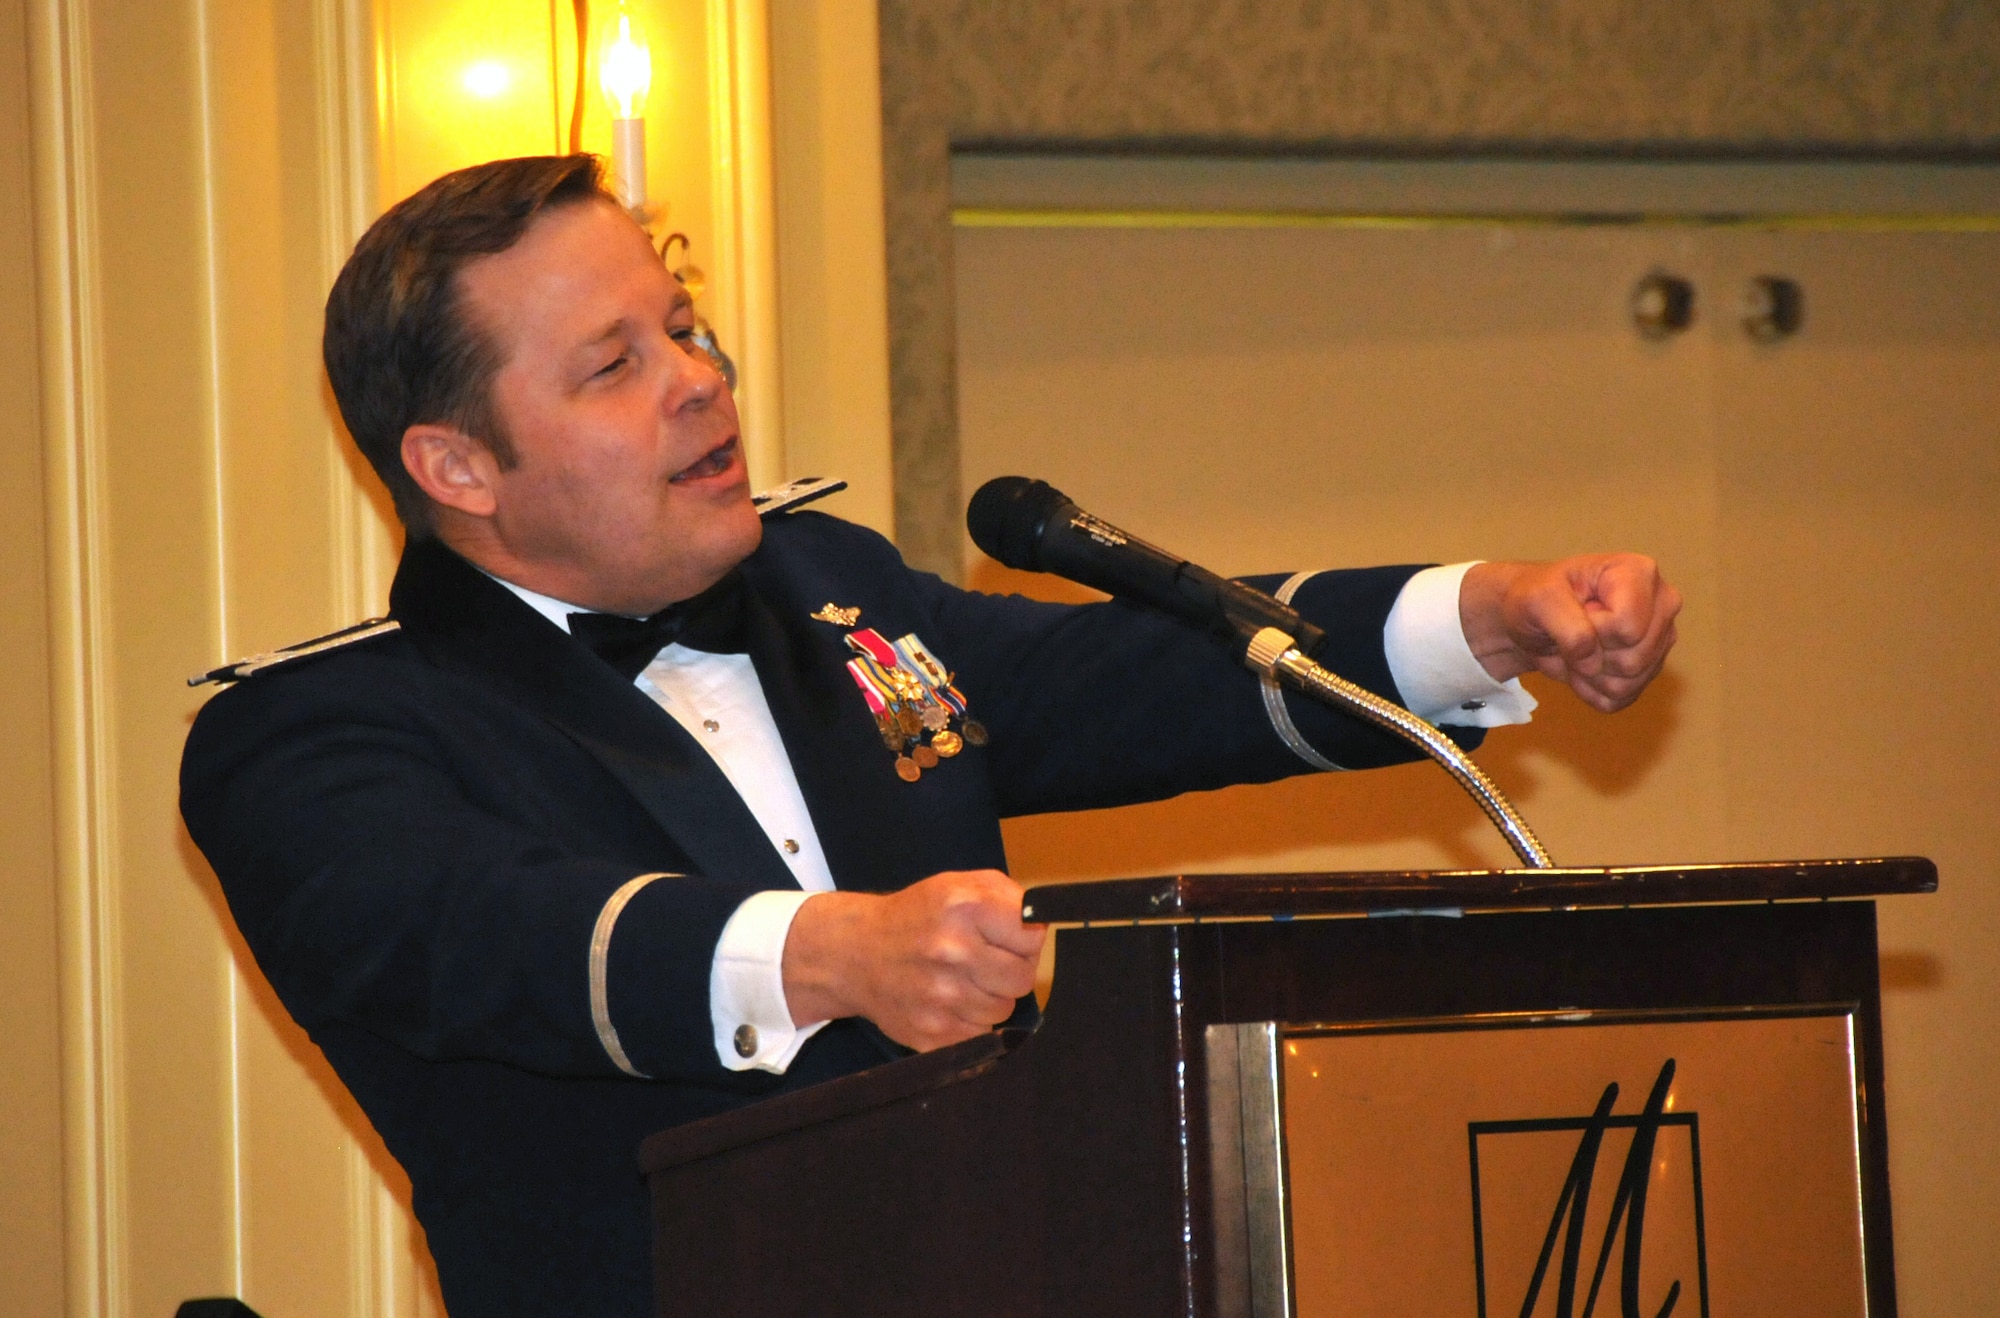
(1273, 656)
(1031, 525)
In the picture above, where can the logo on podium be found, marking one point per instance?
(1596, 1214)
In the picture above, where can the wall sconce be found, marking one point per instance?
(625, 73)
(625, 76)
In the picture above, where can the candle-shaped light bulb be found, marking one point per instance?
(625, 72)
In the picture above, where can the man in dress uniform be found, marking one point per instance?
(642, 804)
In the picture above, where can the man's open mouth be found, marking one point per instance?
(713, 463)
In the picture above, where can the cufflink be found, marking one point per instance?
(1473, 706)
(746, 1041)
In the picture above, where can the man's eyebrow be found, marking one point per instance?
(681, 299)
(611, 331)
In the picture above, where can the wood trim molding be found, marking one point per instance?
(739, 82)
(826, 135)
(71, 364)
(386, 1273)
(348, 47)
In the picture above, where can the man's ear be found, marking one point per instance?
(454, 469)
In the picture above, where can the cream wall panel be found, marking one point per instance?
(1859, 552)
(31, 1184)
(743, 306)
(833, 324)
(147, 509)
(1275, 400)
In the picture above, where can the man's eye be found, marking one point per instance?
(611, 367)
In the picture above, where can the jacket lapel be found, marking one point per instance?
(871, 824)
(470, 625)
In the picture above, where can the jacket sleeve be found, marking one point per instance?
(375, 890)
(1108, 704)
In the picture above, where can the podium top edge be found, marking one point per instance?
(1279, 895)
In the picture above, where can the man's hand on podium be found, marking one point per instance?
(1601, 623)
(939, 962)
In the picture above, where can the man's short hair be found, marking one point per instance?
(399, 348)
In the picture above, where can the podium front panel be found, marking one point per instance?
(1540, 1164)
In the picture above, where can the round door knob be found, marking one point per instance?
(1773, 308)
(1662, 305)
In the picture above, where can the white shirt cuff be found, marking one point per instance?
(746, 986)
(1440, 679)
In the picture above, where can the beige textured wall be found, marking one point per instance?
(1483, 75)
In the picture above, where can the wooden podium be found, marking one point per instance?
(1648, 1090)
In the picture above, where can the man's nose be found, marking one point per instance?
(697, 379)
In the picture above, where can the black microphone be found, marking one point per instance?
(1032, 525)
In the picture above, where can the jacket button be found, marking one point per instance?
(746, 1041)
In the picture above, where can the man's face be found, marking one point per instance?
(629, 489)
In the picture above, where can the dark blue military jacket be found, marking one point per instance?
(417, 834)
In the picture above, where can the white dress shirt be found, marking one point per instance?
(720, 702)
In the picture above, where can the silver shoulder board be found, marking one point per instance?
(257, 663)
(795, 494)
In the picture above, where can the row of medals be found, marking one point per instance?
(914, 714)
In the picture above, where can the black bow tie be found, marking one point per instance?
(712, 620)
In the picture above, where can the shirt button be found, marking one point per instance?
(713, 726)
(746, 1041)
(791, 847)
(1473, 706)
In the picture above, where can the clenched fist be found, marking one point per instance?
(939, 962)
(1601, 623)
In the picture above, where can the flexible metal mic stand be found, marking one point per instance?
(1273, 654)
